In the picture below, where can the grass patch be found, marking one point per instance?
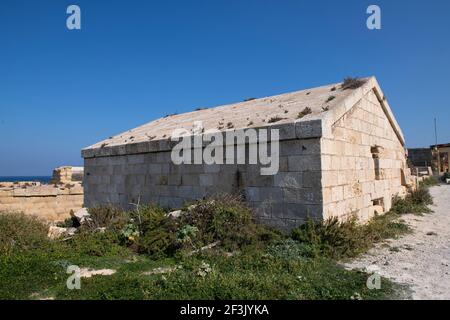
(250, 261)
(253, 274)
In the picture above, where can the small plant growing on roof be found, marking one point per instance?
(352, 83)
(275, 119)
(326, 108)
(170, 115)
(333, 89)
(249, 99)
(250, 123)
(330, 98)
(230, 125)
(304, 112)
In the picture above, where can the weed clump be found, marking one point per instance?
(352, 83)
(428, 182)
(330, 98)
(416, 201)
(275, 119)
(304, 112)
(346, 239)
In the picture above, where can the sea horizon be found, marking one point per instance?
(42, 179)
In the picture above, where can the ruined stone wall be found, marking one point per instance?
(283, 200)
(363, 162)
(44, 201)
(67, 174)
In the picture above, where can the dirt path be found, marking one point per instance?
(420, 260)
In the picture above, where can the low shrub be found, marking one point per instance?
(94, 244)
(429, 182)
(157, 232)
(22, 232)
(346, 239)
(109, 217)
(290, 249)
(226, 219)
(421, 196)
(416, 202)
(331, 237)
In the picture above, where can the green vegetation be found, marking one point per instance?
(347, 239)
(416, 202)
(304, 112)
(18, 231)
(213, 250)
(275, 119)
(352, 83)
(330, 98)
(429, 182)
(446, 176)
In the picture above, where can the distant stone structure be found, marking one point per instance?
(51, 202)
(341, 152)
(67, 174)
(443, 150)
(420, 157)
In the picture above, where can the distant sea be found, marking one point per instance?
(42, 179)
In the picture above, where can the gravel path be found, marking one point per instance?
(420, 260)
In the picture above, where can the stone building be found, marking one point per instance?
(341, 152)
(443, 150)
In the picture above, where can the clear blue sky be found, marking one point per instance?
(134, 61)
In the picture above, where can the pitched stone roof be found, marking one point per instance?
(327, 102)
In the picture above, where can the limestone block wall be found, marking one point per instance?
(283, 200)
(67, 174)
(45, 201)
(363, 162)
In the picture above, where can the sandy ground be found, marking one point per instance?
(420, 260)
